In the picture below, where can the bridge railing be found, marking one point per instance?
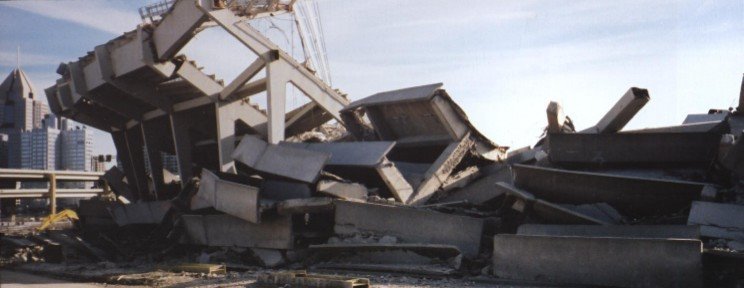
(51, 177)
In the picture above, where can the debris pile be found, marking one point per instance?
(418, 190)
(400, 181)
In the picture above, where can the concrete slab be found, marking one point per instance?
(615, 231)
(718, 220)
(229, 231)
(622, 262)
(409, 225)
(342, 190)
(364, 154)
(388, 257)
(297, 164)
(630, 195)
(634, 148)
(233, 198)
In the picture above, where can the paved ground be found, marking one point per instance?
(12, 279)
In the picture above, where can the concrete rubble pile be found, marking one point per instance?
(425, 193)
(400, 181)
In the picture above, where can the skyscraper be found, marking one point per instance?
(40, 146)
(77, 149)
(19, 111)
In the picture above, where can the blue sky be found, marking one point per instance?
(502, 61)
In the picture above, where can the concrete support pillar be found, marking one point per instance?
(277, 86)
(182, 143)
(152, 136)
(122, 148)
(135, 143)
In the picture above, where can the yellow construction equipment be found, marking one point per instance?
(64, 214)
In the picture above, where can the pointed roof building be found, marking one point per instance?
(16, 86)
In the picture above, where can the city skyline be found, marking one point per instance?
(503, 55)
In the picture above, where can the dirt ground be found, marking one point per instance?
(112, 275)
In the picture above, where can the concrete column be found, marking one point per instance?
(276, 97)
(182, 144)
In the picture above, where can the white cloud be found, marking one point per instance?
(8, 58)
(99, 15)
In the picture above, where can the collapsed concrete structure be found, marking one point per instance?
(412, 187)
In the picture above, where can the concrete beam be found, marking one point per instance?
(620, 262)
(305, 206)
(345, 191)
(409, 225)
(357, 154)
(441, 169)
(243, 78)
(196, 78)
(548, 212)
(718, 220)
(228, 231)
(631, 195)
(622, 112)
(716, 127)
(614, 231)
(482, 190)
(297, 164)
(634, 149)
(394, 181)
(177, 27)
